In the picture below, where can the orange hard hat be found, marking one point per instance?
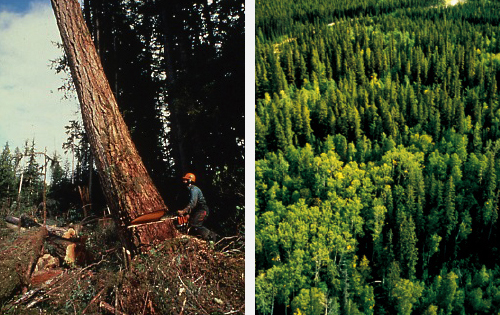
(190, 176)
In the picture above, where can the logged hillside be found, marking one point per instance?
(377, 141)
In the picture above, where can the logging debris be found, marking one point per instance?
(184, 275)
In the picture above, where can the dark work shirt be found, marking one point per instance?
(196, 200)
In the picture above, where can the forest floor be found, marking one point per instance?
(179, 276)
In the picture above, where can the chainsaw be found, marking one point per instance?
(180, 222)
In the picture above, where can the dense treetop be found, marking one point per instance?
(377, 127)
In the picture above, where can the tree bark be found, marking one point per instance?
(127, 186)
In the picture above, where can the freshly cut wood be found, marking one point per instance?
(64, 240)
(148, 217)
(147, 223)
(46, 262)
(70, 233)
(72, 250)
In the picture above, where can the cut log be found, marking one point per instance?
(70, 233)
(27, 222)
(23, 221)
(63, 232)
(17, 261)
(15, 227)
(46, 262)
(35, 254)
(71, 250)
(13, 220)
(68, 246)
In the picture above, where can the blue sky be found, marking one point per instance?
(31, 107)
(18, 5)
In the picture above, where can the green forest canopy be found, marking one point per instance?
(377, 139)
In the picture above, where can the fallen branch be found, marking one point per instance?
(94, 264)
(183, 304)
(230, 243)
(237, 311)
(145, 303)
(28, 295)
(226, 238)
(110, 308)
(232, 251)
(34, 294)
(189, 290)
(72, 278)
(93, 300)
(36, 301)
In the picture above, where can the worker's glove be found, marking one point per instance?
(181, 212)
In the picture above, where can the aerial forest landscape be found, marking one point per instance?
(118, 224)
(377, 136)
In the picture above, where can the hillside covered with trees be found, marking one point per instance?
(377, 141)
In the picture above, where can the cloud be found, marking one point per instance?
(30, 104)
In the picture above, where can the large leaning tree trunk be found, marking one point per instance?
(127, 186)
